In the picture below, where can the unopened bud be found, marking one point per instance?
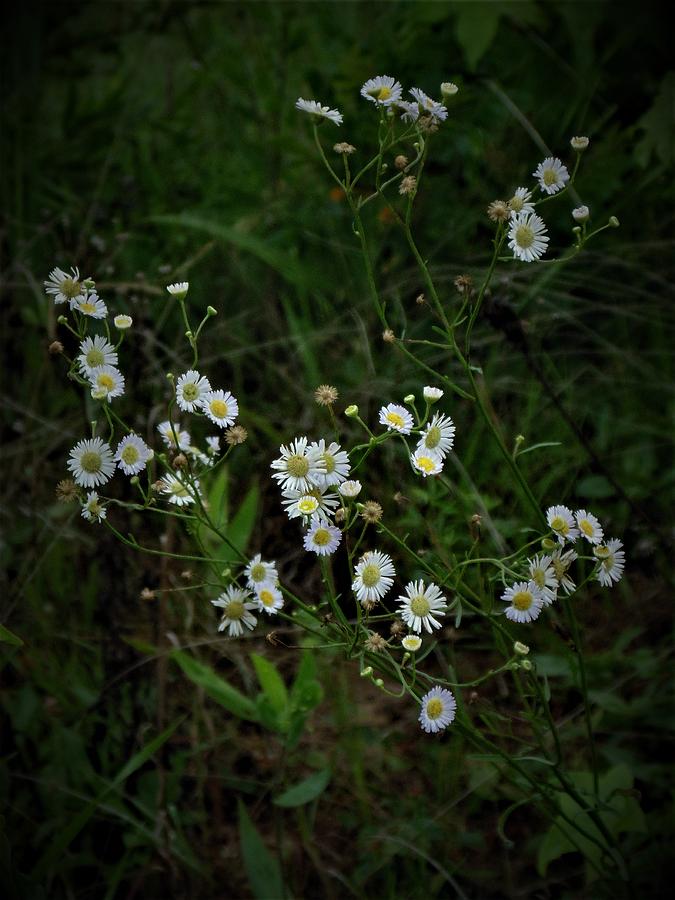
(55, 348)
(448, 89)
(378, 682)
(548, 544)
(210, 311)
(409, 398)
(613, 222)
(388, 336)
(526, 665)
(401, 162)
(367, 672)
(521, 649)
(352, 411)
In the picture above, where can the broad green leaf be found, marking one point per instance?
(306, 790)
(476, 28)
(262, 869)
(216, 687)
(272, 683)
(306, 692)
(9, 638)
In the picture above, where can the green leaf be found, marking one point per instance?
(9, 638)
(64, 837)
(306, 692)
(239, 530)
(216, 687)
(476, 28)
(262, 869)
(554, 844)
(272, 683)
(306, 790)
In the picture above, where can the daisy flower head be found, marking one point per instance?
(527, 236)
(525, 599)
(552, 175)
(562, 523)
(173, 437)
(92, 508)
(588, 526)
(132, 454)
(123, 322)
(383, 90)
(409, 111)
(426, 462)
(91, 462)
(579, 143)
(396, 418)
(420, 604)
(236, 605)
(213, 444)
(318, 111)
(612, 560)
(269, 599)
(541, 571)
(259, 573)
(305, 503)
(62, 286)
(411, 642)
(429, 107)
(374, 576)
(561, 563)
(299, 467)
(89, 304)
(350, 489)
(106, 382)
(322, 538)
(437, 710)
(336, 461)
(179, 493)
(520, 202)
(220, 406)
(96, 351)
(179, 289)
(438, 436)
(190, 389)
(432, 394)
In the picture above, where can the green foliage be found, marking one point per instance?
(261, 866)
(216, 688)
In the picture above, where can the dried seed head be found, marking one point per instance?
(420, 299)
(397, 628)
(66, 491)
(388, 336)
(147, 594)
(375, 643)
(340, 515)
(180, 461)
(236, 435)
(464, 284)
(408, 185)
(187, 574)
(344, 148)
(401, 162)
(498, 211)
(371, 512)
(326, 395)
(55, 348)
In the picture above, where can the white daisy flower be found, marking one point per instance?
(438, 710)
(132, 454)
(526, 601)
(552, 175)
(427, 462)
(123, 322)
(579, 143)
(259, 573)
(63, 287)
(96, 351)
(396, 418)
(410, 112)
(429, 107)
(432, 394)
(527, 236)
(173, 437)
(383, 90)
(411, 642)
(106, 382)
(322, 538)
(213, 444)
(350, 489)
(520, 202)
(316, 109)
(89, 304)
(91, 462)
(561, 563)
(315, 500)
(190, 389)
(541, 571)
(179, 493)
(236, 606)
(581, 213)
(420, 605)
(221, 407)
(299, 467)
(374, 576)
(336, 461)
(179, 289)
(201, 457)
(612, 560)
(562, 523)
(269, 599)
(438, 436)
(589, 527)
(92, 509)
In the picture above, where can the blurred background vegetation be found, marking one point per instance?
(148, 142)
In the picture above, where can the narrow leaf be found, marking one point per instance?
(306, 790)
(263, 870)
(216, 687)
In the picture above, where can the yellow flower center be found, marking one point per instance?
(539, 577)
(235, 609)
(559, 524)
(516, 204)
(586, 527)
(266, 597)
(322, 537)
(95, 358)
(191, 392)
(420, 606)
(381, 93)
(433, 437)
(130, 455)
(90, 461)
(218, 408)
(370, 575)
(559, 568)
(524, 236)
(297, 465)
(307, 505)
(550, 177)
(87, 308)
(522, 600)
(179, 490)
(258, 572)
(329, 461)
(70, 287)
(434, 708)
(395, 419)
(602, 552)
(105, 381)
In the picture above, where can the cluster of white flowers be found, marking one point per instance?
(436, 437)
(262, 594)
(548, 573)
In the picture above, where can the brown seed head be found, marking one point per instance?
(236, 435)
(498, 211)
(420, 299)
(344, 148)
(388, 336)
(375, 642)
(55, 348)
(397, 628)
(147, 594)
(464, 284)
(66, 491)
(401, 162)
(180, 461)
(408, 185)
(372, 512)
(326, 395)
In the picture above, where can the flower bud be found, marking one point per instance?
(521, 649)
(580, 214)
(526, 665)
(409, 398)
(448, 89)
(579, 143)
(613, 222)
(352, 411)
(548, 544)
(210, 311)
(367, 672)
